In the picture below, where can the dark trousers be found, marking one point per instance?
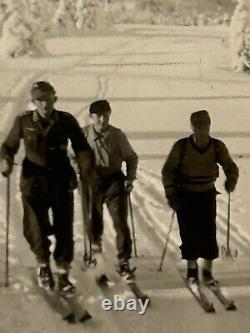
(111, 192)
(39, 194)
(197, 225)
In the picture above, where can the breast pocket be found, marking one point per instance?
(32, 138)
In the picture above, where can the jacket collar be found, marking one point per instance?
(93, 135)
(54, 116)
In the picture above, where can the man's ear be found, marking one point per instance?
(55, 98)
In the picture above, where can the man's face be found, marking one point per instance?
(101, 121)
(201, 129)
(45, 104)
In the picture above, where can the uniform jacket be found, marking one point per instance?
(45, 144)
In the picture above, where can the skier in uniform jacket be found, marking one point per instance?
(47, 179)
(111, 147)
(189, 176)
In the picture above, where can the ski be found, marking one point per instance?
(138, 293)
(197, 293)
(103, 281)
(54, 300)
(106, 284)
(73, 301)
(216, 290)
(200, 297)
(69, 308)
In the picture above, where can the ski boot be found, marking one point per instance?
(193, 278)
(125, 271)
(66, 287)
(45, 278)
(208, 278)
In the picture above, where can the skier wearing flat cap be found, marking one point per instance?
(47, 180)
(189, 175)
(111, 148)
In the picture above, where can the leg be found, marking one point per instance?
(187, 217)
(192, 270)
(208, 265)
(96, 226)
(207, 274)
(63, 211)
(210, 249)
(36, 227)
(118, 209)
(62, 205)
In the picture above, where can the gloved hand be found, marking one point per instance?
(128, 186)
(5, 167)
(229, 186)
(173, 198)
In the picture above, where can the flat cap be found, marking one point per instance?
(99, 107)
(200, 117)
(41, 88)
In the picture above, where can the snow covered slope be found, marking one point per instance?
(154, 77)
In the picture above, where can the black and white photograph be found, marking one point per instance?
(124, 166)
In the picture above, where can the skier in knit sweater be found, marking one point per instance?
(189, 176)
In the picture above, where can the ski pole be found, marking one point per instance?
(7, 232)
(87, 203)
(92, 261)
(228, 221)
(226, 250)
(132, 224)
(166, 243)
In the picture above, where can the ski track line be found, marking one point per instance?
(103, 79)
(156, 228)
(141, 193)
(148, 213)
(153, 190)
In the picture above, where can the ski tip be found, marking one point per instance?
(144, 299)
(70, 318)
(86, 316)
(102, 279)
(211, 309)
(231, 307)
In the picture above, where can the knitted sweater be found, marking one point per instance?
(196, 169)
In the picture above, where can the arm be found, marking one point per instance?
(10, 147)
(230, 169)
(170, 167)
(82, 150)
(169, 172)
(129, 156)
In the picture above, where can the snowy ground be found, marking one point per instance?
(154, 78)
